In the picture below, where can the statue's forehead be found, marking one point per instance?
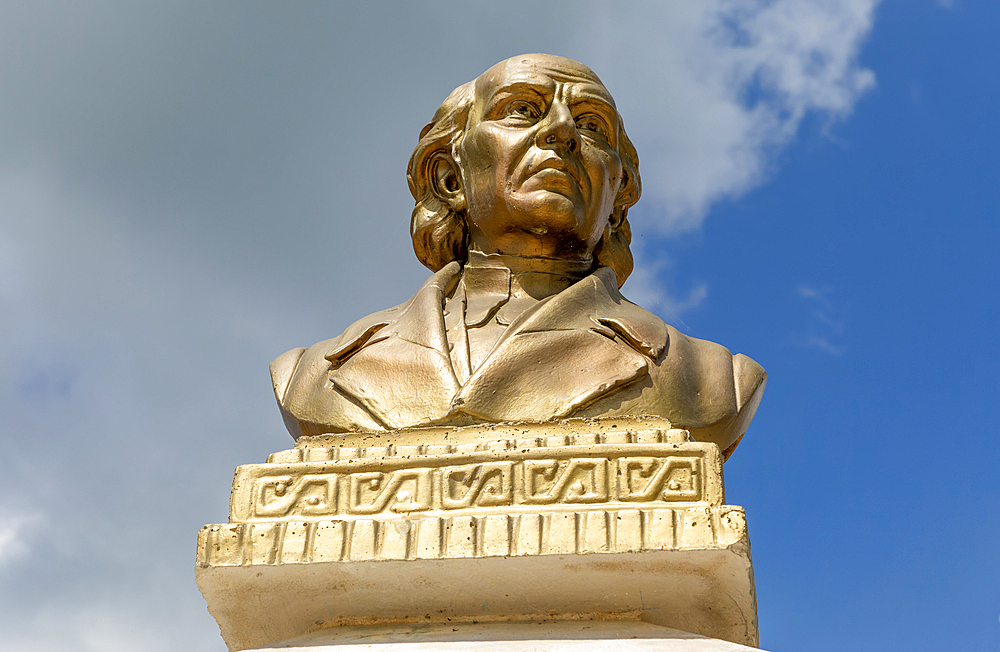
(544, 72)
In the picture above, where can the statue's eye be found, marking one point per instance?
(521, 110)
(593, 124)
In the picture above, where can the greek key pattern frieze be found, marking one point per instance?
(324, 490)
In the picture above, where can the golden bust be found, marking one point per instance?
(522, 182)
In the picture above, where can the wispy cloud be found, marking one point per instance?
(646, 288)
(823, 344)
(823, 323)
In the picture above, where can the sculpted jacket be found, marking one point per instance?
(584, 352)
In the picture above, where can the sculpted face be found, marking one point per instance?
(539, 160)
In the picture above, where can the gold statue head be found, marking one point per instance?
(529, 159)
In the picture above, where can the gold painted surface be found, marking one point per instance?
(581, 531)
(522, 183)
(583, 491)
(518, 475)
(612, 430)
(517, 438)
(608, 516)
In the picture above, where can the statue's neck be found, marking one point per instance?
(533, 276)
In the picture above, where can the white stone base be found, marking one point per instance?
(708, 591)
(592, 524)
(534, 636)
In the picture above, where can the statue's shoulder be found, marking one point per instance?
(711, 361)
(301, 366)
(282, 369)
(750, 380)
(713, 392)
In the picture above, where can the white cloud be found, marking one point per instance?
(718, 88)
(16, 531)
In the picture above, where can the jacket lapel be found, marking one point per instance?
(555, 359)
(407, 379)
(564, 354)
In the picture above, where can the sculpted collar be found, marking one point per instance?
(570, 349)
(531, 264)
(588, 304)
(487, 288)
(490, 279)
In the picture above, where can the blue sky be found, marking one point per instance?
(188, 190)
(872, 485)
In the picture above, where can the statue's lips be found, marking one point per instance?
(553, 172)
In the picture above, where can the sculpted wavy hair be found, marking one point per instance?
(440, 234)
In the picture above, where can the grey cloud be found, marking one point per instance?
(189, 189)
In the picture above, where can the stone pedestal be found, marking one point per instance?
(518, 636)
(580, 528)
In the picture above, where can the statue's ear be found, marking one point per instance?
(613, 250)
(616, 219)
(446, 181)
(622, 204)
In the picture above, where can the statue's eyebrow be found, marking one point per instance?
(596, 103)
(519, 88)
(593, 93)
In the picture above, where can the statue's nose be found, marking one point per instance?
(558, 129)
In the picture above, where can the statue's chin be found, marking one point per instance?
(558, 209)
(558, 218)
